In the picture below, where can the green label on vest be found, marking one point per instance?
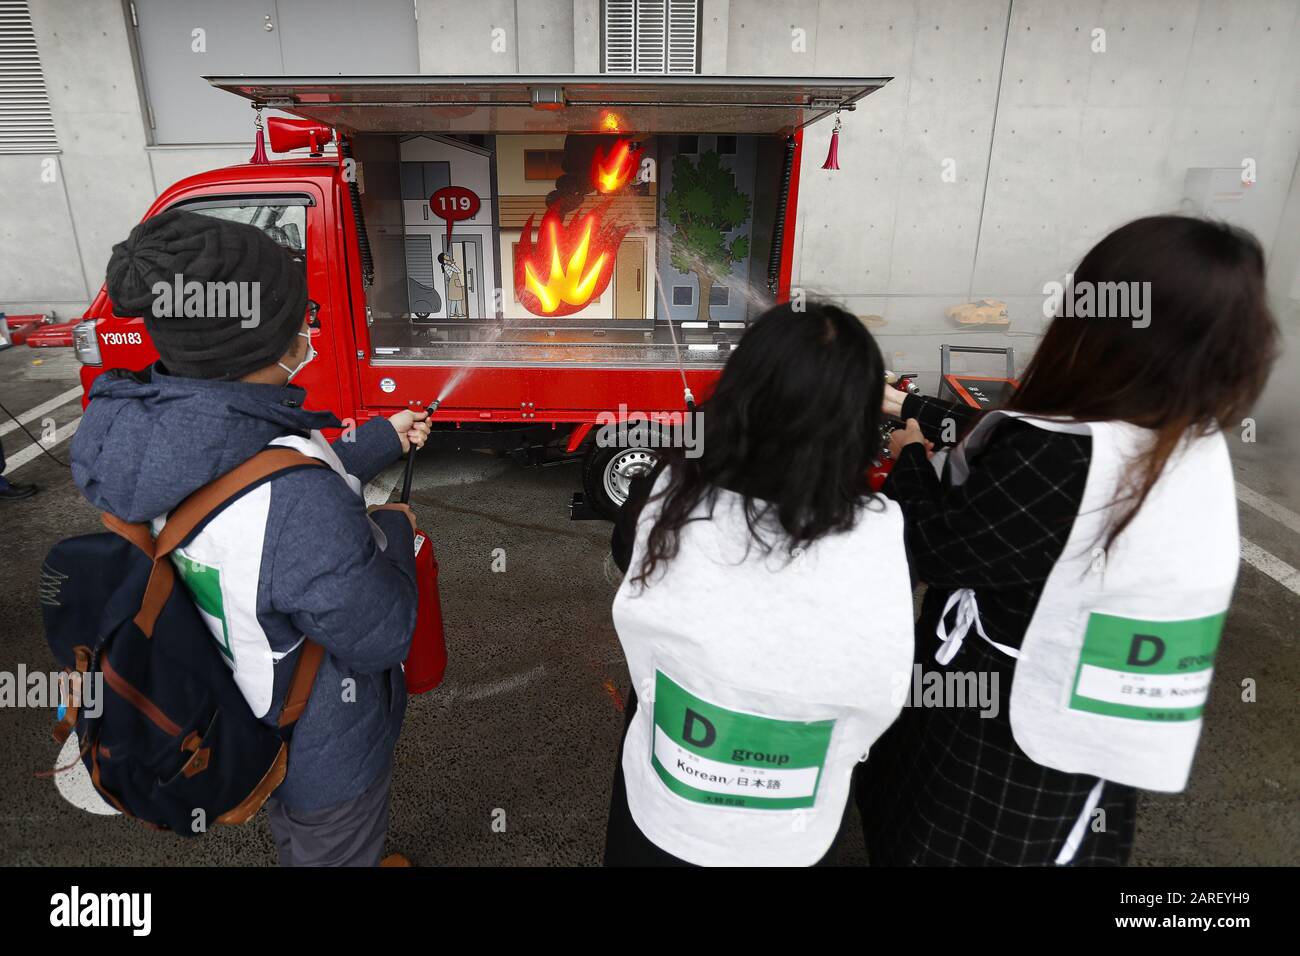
(712, 755)
(1146, 670)
(203, 581)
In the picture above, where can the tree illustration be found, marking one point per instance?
(704, 205)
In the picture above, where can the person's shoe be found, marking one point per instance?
(14, 491)
(395, 859)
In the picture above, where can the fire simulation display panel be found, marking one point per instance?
(569, 247)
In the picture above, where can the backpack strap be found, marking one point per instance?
(304, 676)
(187, 516)
(195, 509)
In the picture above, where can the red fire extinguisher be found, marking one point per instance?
(878, 473)
(426, 662)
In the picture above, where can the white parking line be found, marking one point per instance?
(42, 409)
(1275, 568)
(1269, 507)
(1257, 557)
(21, 458)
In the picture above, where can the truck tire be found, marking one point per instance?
(607, 472)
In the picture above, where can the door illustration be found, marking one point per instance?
(629, 280)
(422, 287)
(462, 269)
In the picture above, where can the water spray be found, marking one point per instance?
(687, 394)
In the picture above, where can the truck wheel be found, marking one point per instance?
(607, 474)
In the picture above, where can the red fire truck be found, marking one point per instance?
(538, 254)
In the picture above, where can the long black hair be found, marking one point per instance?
(1196, 363)
(792, 427)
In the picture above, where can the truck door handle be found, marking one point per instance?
(471, 280)
(638, 280)
(425, 208)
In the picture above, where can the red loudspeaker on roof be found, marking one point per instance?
(288, 134)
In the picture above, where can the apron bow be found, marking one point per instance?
(968, 613)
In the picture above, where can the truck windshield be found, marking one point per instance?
(283, 218)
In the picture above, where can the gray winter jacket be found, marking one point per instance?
(144, 445)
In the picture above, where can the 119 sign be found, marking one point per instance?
(454, 204)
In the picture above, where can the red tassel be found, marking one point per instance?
(833, 154)
(259, 150)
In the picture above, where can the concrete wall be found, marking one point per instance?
(1049, 143)
(1052, 144)
(57, 231)
(505, 36)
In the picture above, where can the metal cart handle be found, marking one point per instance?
(945, 356)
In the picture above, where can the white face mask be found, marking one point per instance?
(311, 354)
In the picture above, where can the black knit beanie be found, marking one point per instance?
(224, 327)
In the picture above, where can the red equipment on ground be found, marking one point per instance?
(58, 335)
(21, 326)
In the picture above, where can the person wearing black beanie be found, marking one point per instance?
(298, 556)
(219, 299)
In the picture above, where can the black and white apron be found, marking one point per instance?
(1113, 673)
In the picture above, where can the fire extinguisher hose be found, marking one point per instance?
(410, 460)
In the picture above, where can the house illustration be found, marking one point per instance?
(465, 288)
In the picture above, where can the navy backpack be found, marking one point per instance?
(173, 742)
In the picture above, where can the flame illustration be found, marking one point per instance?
(567, 266)
(611, 171)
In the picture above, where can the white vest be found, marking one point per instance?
(1114, 670)
(221, 567)
(762, 681)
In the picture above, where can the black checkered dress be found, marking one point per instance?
(945, 786)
